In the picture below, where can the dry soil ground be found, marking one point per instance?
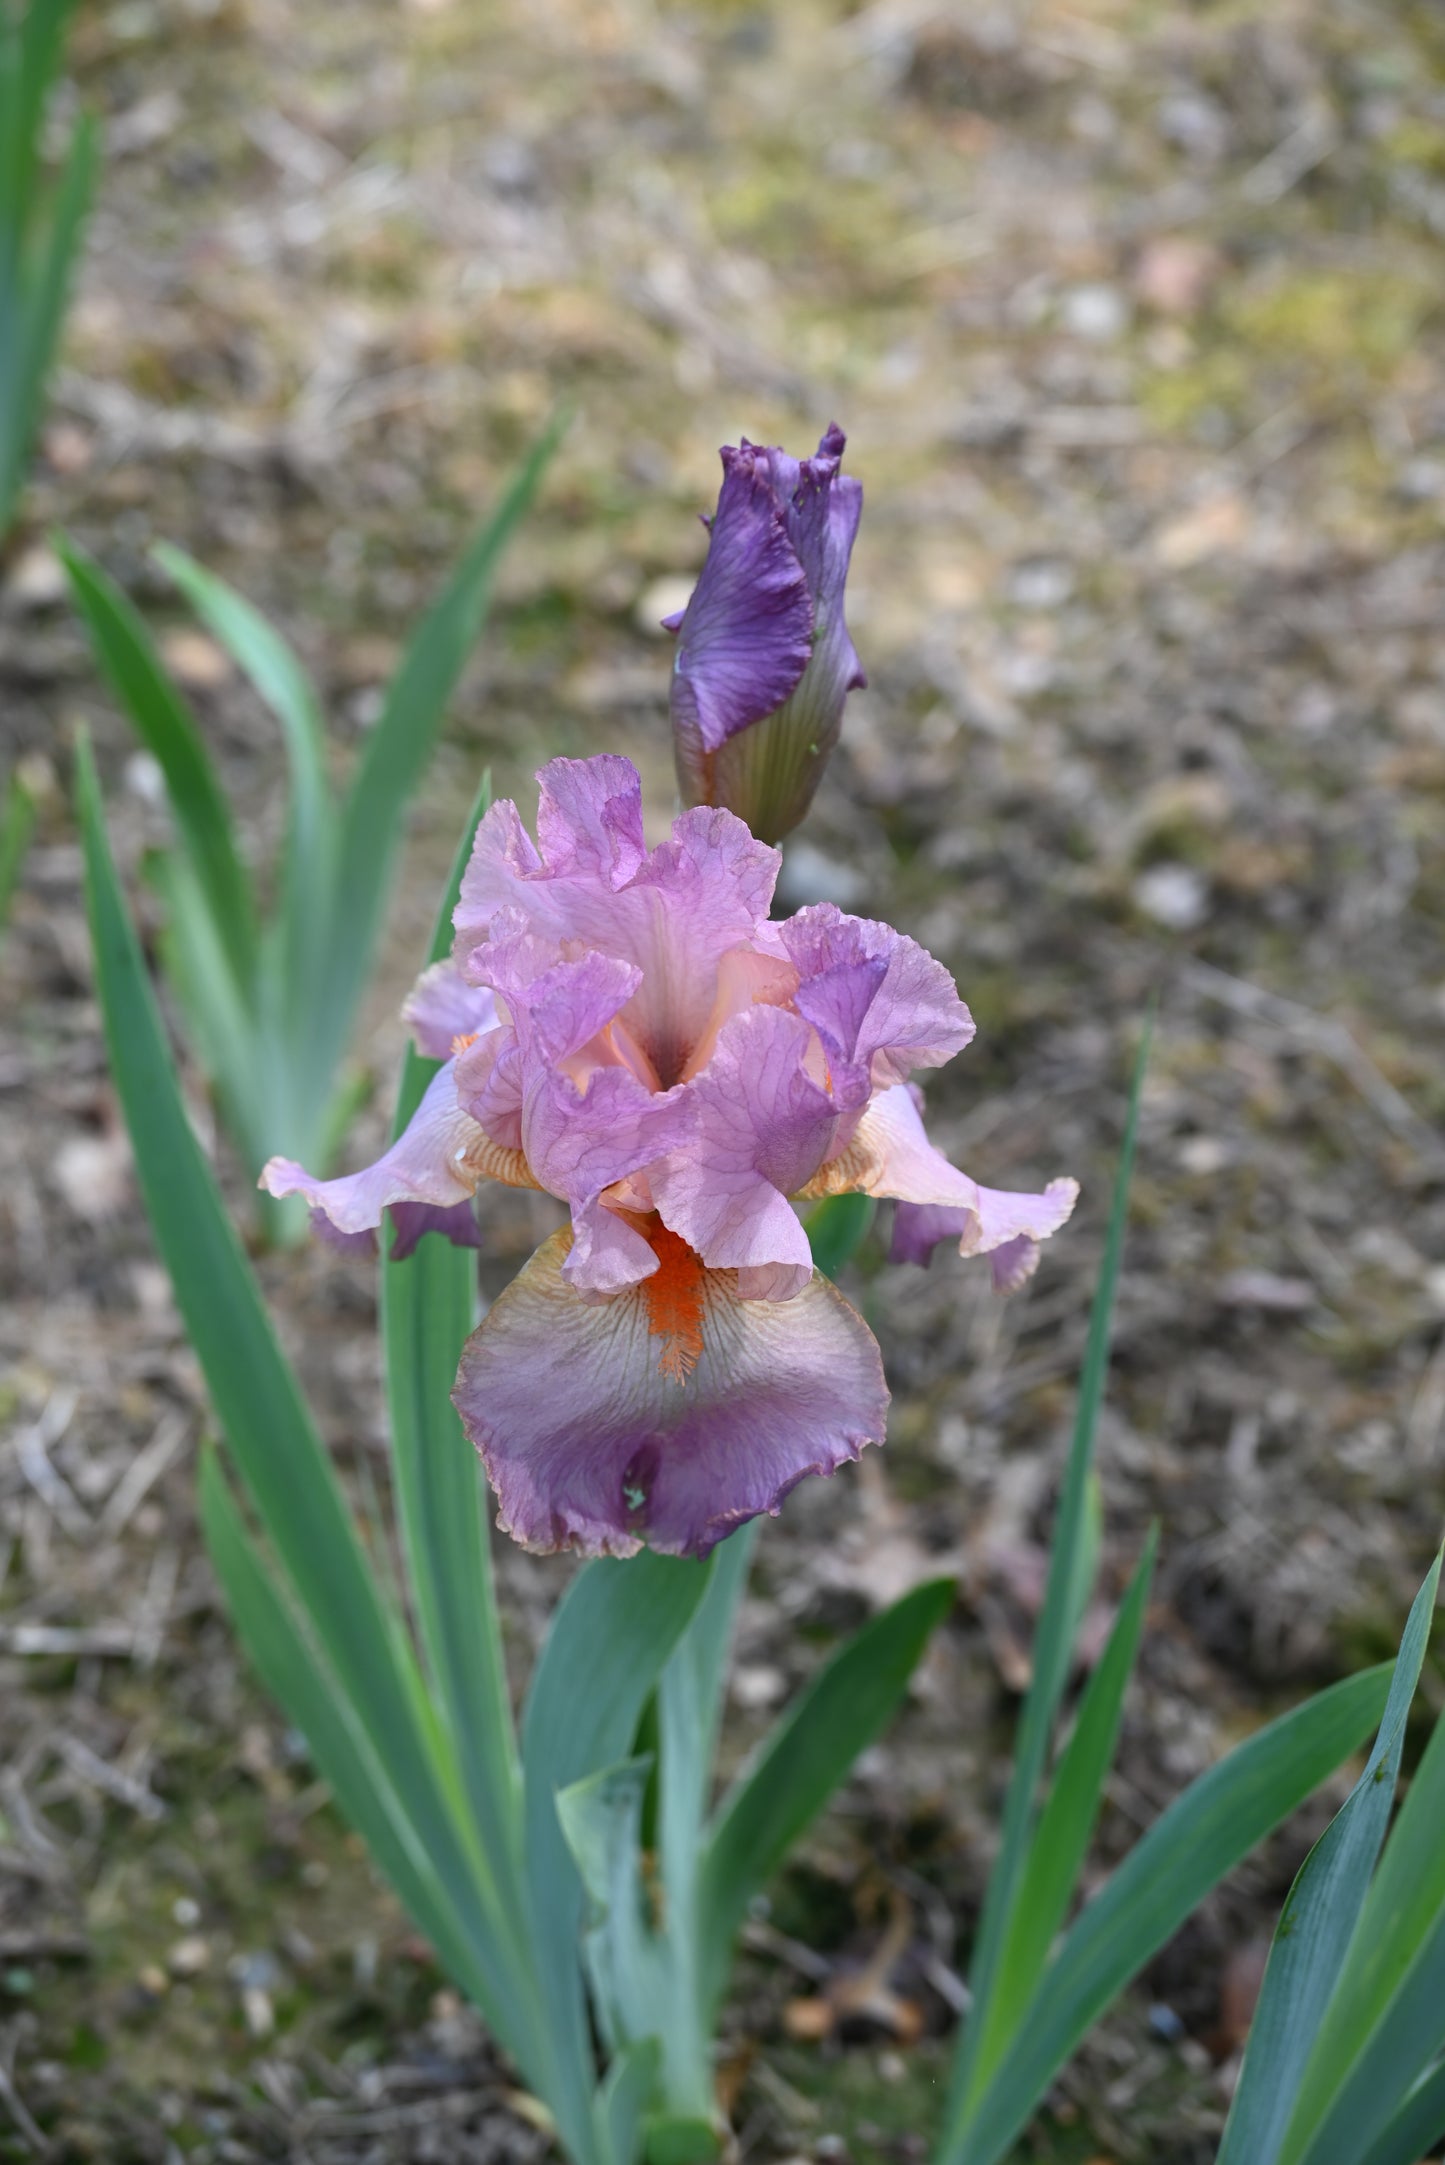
(1132, 312)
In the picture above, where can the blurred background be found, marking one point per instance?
(1132, 313)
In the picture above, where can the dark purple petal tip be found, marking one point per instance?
(764, 662)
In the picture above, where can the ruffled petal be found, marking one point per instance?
(763, 1127)
(671, 914)
(589, 818)
(890, 1155)
(438, 1159)
(456, 1222)
(431, 1161)
(918, 1228)
(877, 999)
(442, 1006)
(746, 636)
(668, 1414)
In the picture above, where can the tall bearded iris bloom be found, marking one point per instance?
(626, 1029)
(764, 662)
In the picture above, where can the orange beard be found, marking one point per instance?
(674, 1299)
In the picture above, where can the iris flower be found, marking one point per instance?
(626, 1029)
(764, 662)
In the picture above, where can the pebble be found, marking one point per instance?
(37, 581)
(1174, 895)
(188, 1957)
(1096, 312)
(194, 660)
(259, 2014)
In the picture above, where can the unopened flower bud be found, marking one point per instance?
(764, 661)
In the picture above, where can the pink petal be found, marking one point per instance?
(438, 1158)
(667, 1414)
(891, 1156)
(671, 914)
(877, 999)
(763, 1129)
(442, 1007)
(589, 819)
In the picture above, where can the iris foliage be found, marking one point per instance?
(41, 228)
(269, 995)
(572, 1867)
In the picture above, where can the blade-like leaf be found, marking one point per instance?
(1386, 2021)
(602, 1820)
(398, 748)
(17, 824)
(1187, 1851)
(39, 227)
(32, 42)
(128, 658)
(428, 1305)
(1075, 1533)
(1308, 1953)
(255, 1394)
(622, 2101)
(46, 287)
(221, 1027)
(689, 1711)
(803, 1761)
(1064, 1830)
(1397, 2052)
(296, 1675)
(1416, 2127)
(615, 1627)
(311, 840)
(836, 1229)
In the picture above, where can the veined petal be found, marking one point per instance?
(668, 1414)
(890, 1155)
(438, 1158)
(442, 1006)
(746, 635)
(671, 914)
(456, 1222)
(763, 1127)
(877, 999)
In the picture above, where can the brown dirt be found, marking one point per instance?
(1132, 314)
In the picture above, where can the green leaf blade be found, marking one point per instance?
(129, 659)
(1065, 1827)
(613, 1630)
(311, 840)
(1075, 1538)
(1307, 1957)
(282, 1460)
(428, 1306)
(802, 1762)
(1187, 1851)
(400, 745)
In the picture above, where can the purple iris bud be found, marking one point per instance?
(764, 661)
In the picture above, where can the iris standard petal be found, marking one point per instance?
(762, 1128)
(668, 1414)
(673, 915)
(877, 999)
